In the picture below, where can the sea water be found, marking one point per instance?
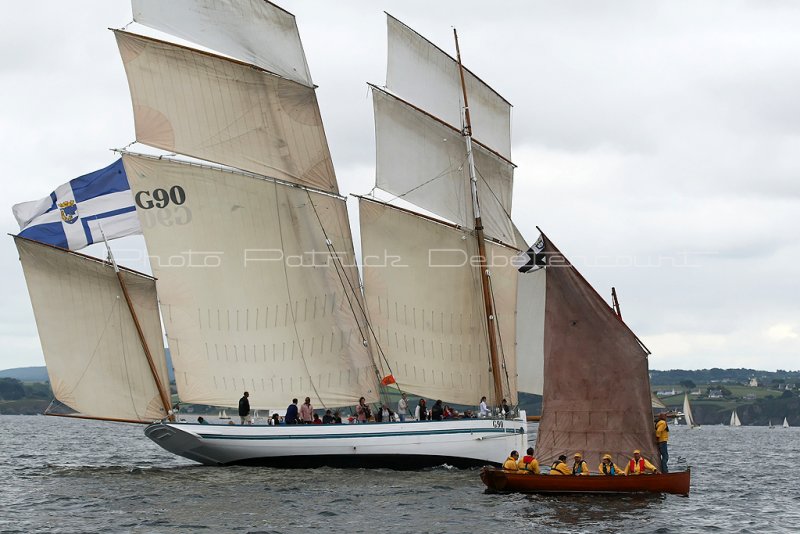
(63, 475)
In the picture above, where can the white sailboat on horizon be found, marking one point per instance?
(785, 423)
(735, 419)
(687, 412)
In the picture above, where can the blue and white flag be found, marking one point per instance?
(72, 216)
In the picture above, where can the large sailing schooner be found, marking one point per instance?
(253, 261)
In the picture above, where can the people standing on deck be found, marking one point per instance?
(276, 420)
(244, 409)
(579, 467)
(402, 408)
(386, 415)
(608, 467)
(505, 409)
(291, 413)
(363, 413)
(317, 420)
(328, 418)
(639, 465)
(337, 418)
(560, 466)
(437, 412)
(529, 464)
(307, 412)
(511, 462)
(421, 412)
(662, 436)
(484, 408)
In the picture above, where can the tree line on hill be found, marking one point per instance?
(715, 374)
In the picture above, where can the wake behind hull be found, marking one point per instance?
(504, 481)
(411, 445)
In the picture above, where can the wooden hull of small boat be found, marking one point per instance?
(504, 481)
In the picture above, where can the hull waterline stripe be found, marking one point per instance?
(366, 435)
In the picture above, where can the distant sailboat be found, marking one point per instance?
(785, 423)
(223, 415)
(735, 419)
(770, 424)
(687, 412)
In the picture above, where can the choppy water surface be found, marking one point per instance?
(61, 475)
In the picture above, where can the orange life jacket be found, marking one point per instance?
(633, 465)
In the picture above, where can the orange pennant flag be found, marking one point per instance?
(388, 379)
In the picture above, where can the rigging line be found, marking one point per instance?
(289, 295)
(500, 338)
(423, 184)
(342, 275)
(492, 192)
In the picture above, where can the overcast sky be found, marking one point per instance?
(658, 145)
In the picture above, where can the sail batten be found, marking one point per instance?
(254, 300)
(95, 360)
(224, 111)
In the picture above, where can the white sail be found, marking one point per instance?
(254, 31)
(95, 360)
(251, 296)
(687, 411)
(224, 111)
(425, 303)
(531, 294)
(424, 161)
(785, 423)
(423, 74)
(735, 419)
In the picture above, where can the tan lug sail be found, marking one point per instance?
(596, 385)
(95, 360)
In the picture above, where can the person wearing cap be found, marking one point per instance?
(579, 467)
(529, 464)
(560, 466)
(511, 462)
(639, 465)
(609, 468)
(662, 436)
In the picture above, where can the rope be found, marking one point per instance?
(289, 295)
(346, 283)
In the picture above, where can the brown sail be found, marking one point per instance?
(596, 397)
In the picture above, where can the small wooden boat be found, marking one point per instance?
(505, 481)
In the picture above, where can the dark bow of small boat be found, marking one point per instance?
(505, 481)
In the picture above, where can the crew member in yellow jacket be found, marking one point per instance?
(529, 464)
(560, 466)
(639, 465)
(662, 436)
(511, 462)
(579, 467)
(609, 468)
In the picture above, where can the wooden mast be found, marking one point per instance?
(615, 302)
(485, 273)
(165, 399)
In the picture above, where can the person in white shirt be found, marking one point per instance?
(402, 408)
(484, 409)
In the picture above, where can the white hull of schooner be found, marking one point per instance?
(409, 445)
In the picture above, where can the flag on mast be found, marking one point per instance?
(70, 216)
